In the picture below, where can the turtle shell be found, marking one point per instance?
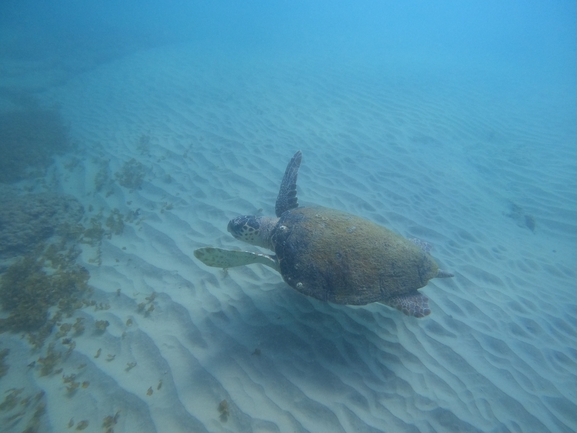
(341, 258)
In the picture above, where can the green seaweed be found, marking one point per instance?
(11, 400)
(63, 330)
(78, 326)
(131, 175)
(51, 360)
(109, 422)
(101, 325)
(115, 222)
(27, 291)
(94, 233)
(223, 410)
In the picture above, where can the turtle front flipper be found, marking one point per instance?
(219, 258)
(287, 195)
(412, 304)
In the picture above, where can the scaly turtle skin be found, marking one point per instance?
(332, 255)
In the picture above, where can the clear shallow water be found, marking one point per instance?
(453, 125)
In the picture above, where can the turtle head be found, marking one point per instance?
(253, 229)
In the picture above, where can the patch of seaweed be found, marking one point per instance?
(44, 228)
(28, 290)
(115, 223)
(131, 175)
(28, 220)
(28, 141)
(41, 236)
(223, 410)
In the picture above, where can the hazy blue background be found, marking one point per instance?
(531, 40)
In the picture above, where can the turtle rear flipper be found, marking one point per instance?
(219, 258)
(412, 304)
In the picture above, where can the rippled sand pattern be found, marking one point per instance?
(437, 159)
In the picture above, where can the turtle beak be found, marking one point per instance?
(231, 227)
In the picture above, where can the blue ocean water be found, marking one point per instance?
(453, 122)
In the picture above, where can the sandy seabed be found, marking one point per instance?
(459, 163)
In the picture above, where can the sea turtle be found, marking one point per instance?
(331, 255)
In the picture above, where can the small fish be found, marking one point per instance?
(149, 392)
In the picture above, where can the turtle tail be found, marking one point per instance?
(444, 274)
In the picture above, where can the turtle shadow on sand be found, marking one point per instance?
(331, 255)
(521, 218)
